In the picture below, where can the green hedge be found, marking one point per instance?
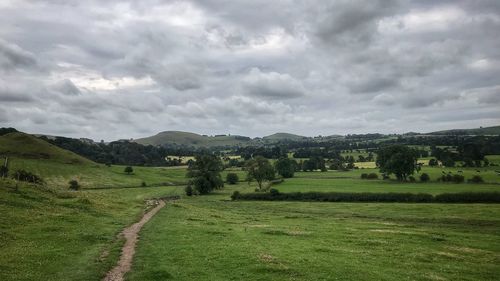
(464, 197)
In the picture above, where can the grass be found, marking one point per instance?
(99, 175)
(48, 234)
(210, 238)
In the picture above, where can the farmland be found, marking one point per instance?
(49, 232)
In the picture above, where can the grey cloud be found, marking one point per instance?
(118, 69)
(13, 57)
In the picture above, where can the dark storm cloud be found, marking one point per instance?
(121, 69)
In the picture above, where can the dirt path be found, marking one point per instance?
(131, 235)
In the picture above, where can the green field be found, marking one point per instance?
(50, 233)
(211, 238)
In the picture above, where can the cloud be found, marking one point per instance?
(14, 57)
(271, 85)
(121, 69)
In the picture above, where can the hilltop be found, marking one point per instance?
(27, 146)
(283, 136)
(192, 139)
(494, 130)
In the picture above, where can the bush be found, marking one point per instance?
(464, 197)
(73, 185)
(143, 184)
(372, 176)
(232, 178)
(274, 192)
(411, 179)
(128, 170)
(23, 175)
(235, 195)
(189, 190)
(458, 178)
(425, 177)
(364, 176)
(385, 176)
(476, 179)
(4, 172)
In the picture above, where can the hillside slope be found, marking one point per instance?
(26, 146)
(283, 136)
(495, 130)
(192, 139)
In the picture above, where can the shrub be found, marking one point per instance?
(274, 192)
(128, 170)
(73, 185)
(4, 171)
(235, 195)
(476, 179)
(425, 177)
(23, 175)
(464, 197)
(189, 190)
(364, 176)
(385, 176)
(411, 179)
(372, 176)
(232, 178)
(143, 184)
(458, 178)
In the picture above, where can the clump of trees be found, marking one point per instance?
(399, 160)
(456, 178)
(23, 175)
(260, 170)
(476, 179)
(204, 175)
(285, 167)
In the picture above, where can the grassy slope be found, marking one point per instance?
(283, 136)
(46, 236)
(495, 130)
(21, 145)
(191, 139)
(210, 238)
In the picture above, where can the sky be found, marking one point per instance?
(128, 69)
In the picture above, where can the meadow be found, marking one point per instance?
(213, 238)
(49, 233)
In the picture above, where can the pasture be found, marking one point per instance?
(212, 238)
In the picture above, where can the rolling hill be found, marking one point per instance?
(26, 146)
(283, 136)
(495, 130)
(192, 139)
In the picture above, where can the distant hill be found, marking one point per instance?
(283, 136)
(495, 130)
(22, 145)
(192, 139)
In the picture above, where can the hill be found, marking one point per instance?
(192, 139)
(495, 130)
(283, 136)
(26, 146)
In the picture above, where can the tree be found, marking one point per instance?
(398, 160)
(73, 185)
(204, 173)
(232, 178)
(260, 170)
(433, 162)
(285, 167)
(128, 170)
(424, 177)
(4, 171)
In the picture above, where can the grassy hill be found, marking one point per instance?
(21, 145)
(192, 139)
(495, 130)
(282, 137)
